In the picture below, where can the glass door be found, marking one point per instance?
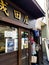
(24, 47)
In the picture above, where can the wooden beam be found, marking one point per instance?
(16, 23)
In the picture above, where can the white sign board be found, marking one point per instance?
(12, 34)
(8, 33)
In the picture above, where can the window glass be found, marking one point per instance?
(8, 39)
(24, 40)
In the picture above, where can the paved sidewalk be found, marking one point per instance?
(45, 60)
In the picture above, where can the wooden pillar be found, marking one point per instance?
(19, 46)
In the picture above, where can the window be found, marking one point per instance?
(8, 39)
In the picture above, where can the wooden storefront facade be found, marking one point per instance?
(14, 32)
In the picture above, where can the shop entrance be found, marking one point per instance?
(14, 45)
(24, 47)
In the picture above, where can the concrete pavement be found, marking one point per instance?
(45, 61)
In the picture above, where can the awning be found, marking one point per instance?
(36, 24)
(31, 7)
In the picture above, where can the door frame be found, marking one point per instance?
(19, 45)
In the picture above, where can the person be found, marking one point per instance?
(33, 49)
(38, 48)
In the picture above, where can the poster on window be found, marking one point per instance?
(25, 42)
(22, 43)
(9, 46)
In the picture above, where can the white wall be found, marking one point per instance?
(34, 24)
(47, 49)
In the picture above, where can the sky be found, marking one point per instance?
(41, 3)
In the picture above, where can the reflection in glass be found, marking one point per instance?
(24, 47)
(24, 40)
(4, 28)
